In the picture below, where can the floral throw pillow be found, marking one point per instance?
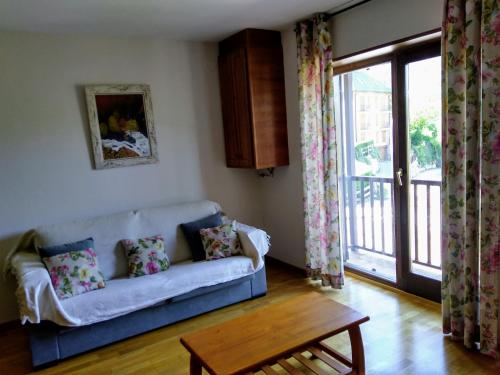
(74, 272)
(221, 242)
(146, 256)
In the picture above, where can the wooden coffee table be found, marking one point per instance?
(270, 335)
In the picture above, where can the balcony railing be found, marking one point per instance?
(370, 217)
(431, 231)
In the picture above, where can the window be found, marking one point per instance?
(387, 109)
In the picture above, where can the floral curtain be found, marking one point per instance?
(471, 181)
(319, 151)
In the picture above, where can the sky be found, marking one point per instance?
(424, 88)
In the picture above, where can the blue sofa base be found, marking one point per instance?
(50, 342)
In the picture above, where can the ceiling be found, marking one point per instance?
(197, 20)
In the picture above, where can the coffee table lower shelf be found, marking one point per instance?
(323, 353)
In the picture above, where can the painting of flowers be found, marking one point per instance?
(121, 125)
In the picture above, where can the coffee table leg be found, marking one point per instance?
(358, 354)
(194, 366)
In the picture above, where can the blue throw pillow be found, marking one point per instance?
(49, 251)
(192, 233)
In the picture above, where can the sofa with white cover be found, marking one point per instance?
(129, 306)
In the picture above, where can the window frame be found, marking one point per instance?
(418, 47)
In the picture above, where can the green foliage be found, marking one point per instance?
(366, 151)
(425, 144)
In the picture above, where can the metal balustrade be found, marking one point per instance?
(416, 196)
(368, 211)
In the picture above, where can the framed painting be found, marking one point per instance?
(121, 125)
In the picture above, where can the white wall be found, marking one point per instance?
(46, 173)
(282, 195)
(368, 25)
(382, 21)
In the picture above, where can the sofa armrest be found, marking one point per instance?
(255, 243)
(35, 294)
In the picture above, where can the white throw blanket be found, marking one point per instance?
(38, 301)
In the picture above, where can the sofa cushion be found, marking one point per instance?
(124, 295)
(146, 256)
(74, 272)
(49, 251)
(221, 241)
(166, 222)
(211, 288)
(108, 230)
(192, 233)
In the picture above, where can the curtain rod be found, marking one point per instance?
(330, 15)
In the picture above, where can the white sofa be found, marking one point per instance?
(126, 307)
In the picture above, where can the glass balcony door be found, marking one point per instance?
(420, 74)
(364, 98)
(388, 116)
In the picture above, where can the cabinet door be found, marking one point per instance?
(268, 108)
(235, 109)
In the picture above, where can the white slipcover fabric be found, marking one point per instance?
(108, 230)
(38, 301)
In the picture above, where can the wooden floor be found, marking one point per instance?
(402, 337)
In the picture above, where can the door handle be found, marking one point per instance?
(399, 175)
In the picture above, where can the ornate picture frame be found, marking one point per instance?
(121, 125)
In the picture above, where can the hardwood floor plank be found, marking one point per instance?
(403, 336)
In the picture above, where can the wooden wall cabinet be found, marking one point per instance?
(252, 89)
